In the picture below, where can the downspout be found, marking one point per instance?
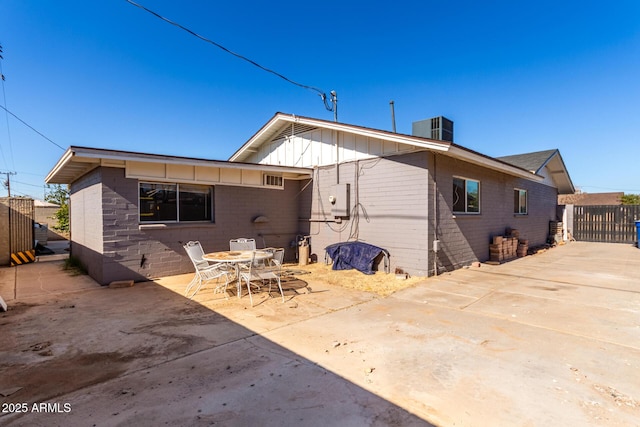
(335, 137)
(436, 241)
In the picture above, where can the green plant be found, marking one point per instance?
(630, 199)
(73, 266)
(60, 196)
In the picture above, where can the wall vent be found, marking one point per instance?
(270, 180)
(439, 128)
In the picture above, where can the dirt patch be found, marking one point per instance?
(60, 375)
(380, 283)
(619, 398)
(16, 308)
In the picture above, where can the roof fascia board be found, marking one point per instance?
(373, 133)
(279, 119)
(64, 160)
(95, 155)
(546, 162)
(256, 137)
(479, 159)
(564, 171)
(157, 158)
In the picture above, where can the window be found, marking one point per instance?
(466, 195)
(160, 202)
(519, 201)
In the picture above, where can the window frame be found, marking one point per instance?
(178, 220)
(516, 201)
(466, 196)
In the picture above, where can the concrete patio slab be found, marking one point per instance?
(551, 339)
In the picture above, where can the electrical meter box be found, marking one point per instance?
(340, 200)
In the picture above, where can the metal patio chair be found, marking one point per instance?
(205, 272)
(242, 244)
(256, 272)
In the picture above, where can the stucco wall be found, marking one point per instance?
(465, 237)
(85, 222)
(114, 246)
(46, 215)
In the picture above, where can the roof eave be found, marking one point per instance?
(63, 172)
(278, 120)
(491, 163)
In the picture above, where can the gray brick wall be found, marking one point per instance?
(397, 210)
(391, 201)
(465, 237)
(108, 238)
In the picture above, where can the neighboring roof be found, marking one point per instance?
(282, 125)
(42, 204)
(530, 161)
(77, 161)
(591, 199)
(537, 161)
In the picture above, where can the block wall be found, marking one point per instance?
(389, 208)
(115, 246)
(466, 237)
(85, 222)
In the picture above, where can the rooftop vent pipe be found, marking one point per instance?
(393, 116)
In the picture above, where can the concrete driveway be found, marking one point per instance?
(550, 339)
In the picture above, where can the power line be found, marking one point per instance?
(7, 182)
(31, 127)
(4, 96)
(26, 183)
(334, 99)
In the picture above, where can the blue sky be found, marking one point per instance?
(513, 76)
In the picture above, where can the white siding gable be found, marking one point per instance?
(318, 148)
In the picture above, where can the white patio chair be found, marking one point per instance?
(255, 272)
(242, 244)
(205, 272)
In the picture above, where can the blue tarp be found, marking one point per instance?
(358, 255)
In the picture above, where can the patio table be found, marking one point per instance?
(236, 257)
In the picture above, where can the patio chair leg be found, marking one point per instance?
(197, 288)
(280, 286)
(249, 289)
(191, 283)
(220, 288)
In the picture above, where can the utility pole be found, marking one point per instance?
(8, 181)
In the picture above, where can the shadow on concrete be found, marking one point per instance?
(145, 355)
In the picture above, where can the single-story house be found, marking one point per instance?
(432, 204)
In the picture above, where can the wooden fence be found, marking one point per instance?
(606, 223)
(16, 231)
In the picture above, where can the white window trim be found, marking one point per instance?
(526, 202)
(466, 212)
